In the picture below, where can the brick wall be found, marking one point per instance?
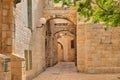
(98, 50)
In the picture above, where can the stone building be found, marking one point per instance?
(29, 40)
(28, 47)
(20, 40)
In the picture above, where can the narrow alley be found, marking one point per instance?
(68, 71)
(59, 40)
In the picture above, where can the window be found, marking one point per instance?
(72, 44)
(28, 58)
(29, 3)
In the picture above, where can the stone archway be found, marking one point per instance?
(69, 14)
(68, 52)
(66, 38)
(53, 18)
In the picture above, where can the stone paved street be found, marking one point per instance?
(68, 71)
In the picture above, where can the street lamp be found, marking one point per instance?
(41, 22)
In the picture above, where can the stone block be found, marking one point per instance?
(18, 68)
(81, 68)
(5, 26)
(5, 12)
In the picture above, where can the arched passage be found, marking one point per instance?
(60, 52)
(68, 50)
(60, 32)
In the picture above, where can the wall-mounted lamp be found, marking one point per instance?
(41, 22)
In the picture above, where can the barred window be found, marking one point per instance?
(28, 58)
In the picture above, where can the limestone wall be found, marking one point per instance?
(6, 26)
(37, 42)
(6, 31)
(98, 50)
(25, 39)
(22, 32)
(22, 38)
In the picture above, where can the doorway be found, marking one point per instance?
(60, 52)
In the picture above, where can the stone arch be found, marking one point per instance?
(48, 23)
(62, 31)
(69, 16)
(61, 18)
(60, 44)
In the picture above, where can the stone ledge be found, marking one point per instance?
(4, 58)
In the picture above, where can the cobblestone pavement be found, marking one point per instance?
(68, 71)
